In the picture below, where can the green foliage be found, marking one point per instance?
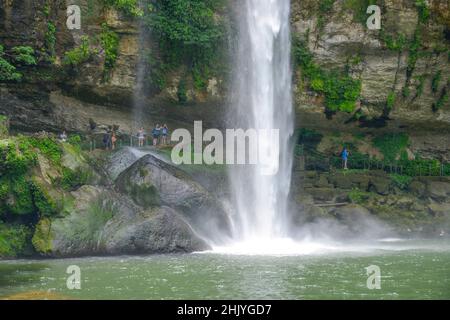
(413, 52)
(22, 197)
(359, 9)
(100, 213)
(109, 41)
(13, 239)
(436, 81)
(309, 138)
(8, 72)
(157, 71)
(187, 22)
(73, 179)
(79, 55)
(423, 11)
(420, 86)
(443, 99)
(42, 238)
(24, 55)
(4, 189)
(401, 181)
(129, 7)
(75, 140)
(50, 38)
(188, 33)
(181, 91)
(48, 147)
(15, 159)
(42, 201)
(405, 91)
(395, 43)
(46, 10)
(421, 167)
(390, 101)
(357, 196)
(391, 145)
(325, 6)
(341, 91)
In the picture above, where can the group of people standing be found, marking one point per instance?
(159, 134)
(109, 140)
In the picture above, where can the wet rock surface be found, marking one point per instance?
(103, 222)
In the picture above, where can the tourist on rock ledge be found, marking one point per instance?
(141, 137)
(156, 132)
(113, 140)
(344, 156)
(63, 136)
(107, 140)
(165, 134)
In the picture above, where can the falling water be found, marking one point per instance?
(139, 87)
(263, 101)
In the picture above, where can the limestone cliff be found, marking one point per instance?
(402, 70)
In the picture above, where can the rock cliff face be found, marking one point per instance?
(148, 206)
(52, 96)
(417, 206)
(338, 37)
(403, 70)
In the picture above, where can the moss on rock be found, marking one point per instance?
(4, 126)
(42, 238)
(13, 240)
(145, 195)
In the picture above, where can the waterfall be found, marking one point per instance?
(139, 87)
(263, 100)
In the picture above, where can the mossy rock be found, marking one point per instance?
(48, 199)
(4, 127)
(73, 157)
(13, 240)
(16, 195)
(380, 185)
(47, 170)
(349, 180)
(42, 238)
(145, 195)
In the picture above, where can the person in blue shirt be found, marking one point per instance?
(164, 134)
(344, 156)
(156, 132)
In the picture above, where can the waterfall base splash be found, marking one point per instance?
(275, 247)
(288, 247)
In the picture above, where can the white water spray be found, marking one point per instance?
(264, 101)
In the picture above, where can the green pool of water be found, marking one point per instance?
(409, 270)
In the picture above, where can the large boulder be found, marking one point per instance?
(152, 182)
(160, 230)
(104, 222)
(120, 160)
